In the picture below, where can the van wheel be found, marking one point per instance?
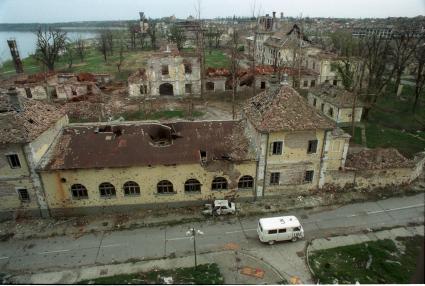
(294, 239)
(271, 242)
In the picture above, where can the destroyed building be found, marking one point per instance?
(28, 128)
(167, 73)
(281, 147)
(65, 86)
(336, 103)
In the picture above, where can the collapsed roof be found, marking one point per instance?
(284, 110)
(336, 96)
(148, 144)
(23, 120)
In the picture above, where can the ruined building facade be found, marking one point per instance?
(167, 73)
(281, 147)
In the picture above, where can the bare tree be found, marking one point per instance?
(210, 38)
(402, 51)
(152, 33)
(69, 54)
(102, 44)
(80, 48)
(48, 46)
(177, 36)
(376, 55)
(132, 31)
(121, 47)
(234, 64)
(110, 41)
(420, 74)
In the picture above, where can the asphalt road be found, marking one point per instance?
(64, 252)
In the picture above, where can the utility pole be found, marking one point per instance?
(192, 233)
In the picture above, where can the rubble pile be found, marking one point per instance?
(377, 159)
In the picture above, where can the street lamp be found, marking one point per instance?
(192, 232)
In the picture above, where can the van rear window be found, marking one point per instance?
(282, 230)
(273, 231)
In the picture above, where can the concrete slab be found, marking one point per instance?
(399, 232)
(384, 234)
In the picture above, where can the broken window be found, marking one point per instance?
(314, 102)
(309, 176)
(165, 187)
(107, 190)
(219, 184)
(209, 86)
(246, 182)
(277, 148)
(188, 88)
(192, 185)
(335, 82)
(187, 68)
(164, 70)
(313, 83)
(24, 196)
(79, 192)
(131, 189)
(327, 81)
(331, 112)
(263, 85)
(13, 160)
(305, 83)
(143, 89)
(312, 146)
(28, 92)
(203, 155)
(322, 107)
(274, 178)
(105, 129)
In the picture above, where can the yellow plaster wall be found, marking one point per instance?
(9, 198)
(59, 196)
(5, 170)
(345, 115)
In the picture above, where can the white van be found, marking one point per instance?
(279, 228)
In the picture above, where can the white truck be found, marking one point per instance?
(280, 228)
(219, 207)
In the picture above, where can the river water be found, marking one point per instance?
(26, 42)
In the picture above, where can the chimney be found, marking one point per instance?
(274, 15)
(281, 15)
(14, 100)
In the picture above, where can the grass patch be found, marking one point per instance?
(93, 62)
(203, 274)
(216, 59)
(379, 136)
(163, 114)
(374, 262)
(357, 139)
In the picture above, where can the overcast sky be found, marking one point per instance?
(26, 11)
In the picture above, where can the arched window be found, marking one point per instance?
(165, 187)
(107, 190)
(79, 192)
(218, 184)
(192, 185)
(131, 189)
(246, 182)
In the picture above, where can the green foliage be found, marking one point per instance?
(202, 275)
(217, 59)
(374, 262)
(177, 36)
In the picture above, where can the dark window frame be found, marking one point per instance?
(274, 178)
(14, 161)
(246, 182)
(131, 189)
(312, 146)
(188, 68)
(192, 186)
(24, 195)
(188, 88)
(107, 190)
(79, 192)
(165, 187)
(219, 183)
(309, 176)
(165, 70)
(277, 148)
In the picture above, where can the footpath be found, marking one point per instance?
(262, 265)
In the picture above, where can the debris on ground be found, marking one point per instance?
(254, 272)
